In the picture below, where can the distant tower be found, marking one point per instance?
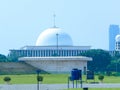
(113, 31)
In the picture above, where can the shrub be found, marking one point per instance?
(115, 74)
(7, 79)
(101, 77)
(39, 78)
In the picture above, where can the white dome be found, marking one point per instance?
(117, 38)
(50, 37)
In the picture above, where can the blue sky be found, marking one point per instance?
(86, 21)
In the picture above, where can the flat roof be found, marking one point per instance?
(53, 47)
(82, 58)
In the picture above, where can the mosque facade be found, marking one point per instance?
(54, 52)
(51, 42)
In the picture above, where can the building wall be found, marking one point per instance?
(46, 51)
(117, 46)
(54, 66)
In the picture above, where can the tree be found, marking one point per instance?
(101, 59)
(115, 62)
(13, 57)
(3, 58)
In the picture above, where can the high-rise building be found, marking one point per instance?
(113, 31)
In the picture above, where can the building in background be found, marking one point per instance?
(113, 31)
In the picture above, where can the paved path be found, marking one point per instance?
(53, 86)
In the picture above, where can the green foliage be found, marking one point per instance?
(108, 73)
(3, 58)
(101, 59)
(7, 79)
(9, 58)
(100, 77)
(114, 65)
(40, 78)
(115, 74)
(13, 57)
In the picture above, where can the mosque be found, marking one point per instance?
(117, 46)
(54, 52)
(117, 42)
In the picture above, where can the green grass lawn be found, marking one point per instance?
(51, 79)
(107, 79)
(31, 79)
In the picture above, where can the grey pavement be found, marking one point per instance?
(54, 86)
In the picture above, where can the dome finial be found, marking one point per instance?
(54, 16)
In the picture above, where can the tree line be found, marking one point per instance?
(102, 61)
